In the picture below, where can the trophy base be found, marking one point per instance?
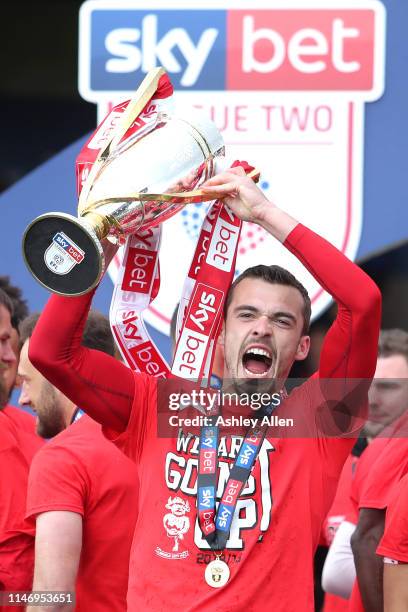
(63, 254)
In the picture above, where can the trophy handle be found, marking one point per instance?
(182, 197)
(63, 253)
(143, 94)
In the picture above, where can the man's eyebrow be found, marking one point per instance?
(246, 307)
(287, 315)
(279, 313)
(387, 382)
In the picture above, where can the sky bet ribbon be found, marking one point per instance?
(216, 526)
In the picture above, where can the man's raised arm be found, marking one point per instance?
(93, 380)
(350, 347)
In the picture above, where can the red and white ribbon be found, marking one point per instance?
(210, 275)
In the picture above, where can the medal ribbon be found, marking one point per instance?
(216, 525)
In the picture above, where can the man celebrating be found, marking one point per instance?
(277, 502)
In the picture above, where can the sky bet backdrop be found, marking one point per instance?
(246, 67)
(206, 49)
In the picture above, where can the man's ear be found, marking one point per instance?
(221, 337)
(303, 348)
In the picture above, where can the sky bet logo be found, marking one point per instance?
(70, 247)
(275, 48)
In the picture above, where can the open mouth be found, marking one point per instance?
(257, 361)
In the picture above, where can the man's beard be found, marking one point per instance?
(51, 420)
(255, 385)
(250, 390)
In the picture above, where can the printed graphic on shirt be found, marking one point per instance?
(254, 505)
(176, 524)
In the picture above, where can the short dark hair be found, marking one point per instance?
(97, 332)
(20, 308)
(6, 302)
(276, 275)
(393, 342)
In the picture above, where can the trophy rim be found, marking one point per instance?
(91, 234)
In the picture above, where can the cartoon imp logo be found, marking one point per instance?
(250, 48)
(176, 525)
(62, 254)
(292, 81)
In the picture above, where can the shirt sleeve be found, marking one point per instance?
(58, 480)
(350, 346)
(349, 352)
(101, 385)
(142, 419)
(394, 543)
(390, 466)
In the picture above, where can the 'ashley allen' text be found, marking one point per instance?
(230, 421)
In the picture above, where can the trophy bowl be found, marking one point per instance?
(137, 185)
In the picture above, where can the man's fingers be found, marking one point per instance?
(225, 177)
(224, 189)
(218, 179)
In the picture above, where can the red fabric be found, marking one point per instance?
(365, 463)
(21, 419)
(381, 467)
(80, 471)
(388, 469)
(164, 89)
(355, 601)
(394, 543)
(101, 385)
(342, 504)
(340, 508)
(17, 448)
(332, 603)
(303, 472)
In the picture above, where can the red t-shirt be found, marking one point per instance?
(384, 474)
(342, 504)
(365, 464)
(333, 603)
(284, 503)
(339, 510)
(22, 419)
(17, 448)
(80, 471)
(394, 543)
(380, 468)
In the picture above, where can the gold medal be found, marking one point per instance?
(217, 573)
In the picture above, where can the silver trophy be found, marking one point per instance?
(134, 185)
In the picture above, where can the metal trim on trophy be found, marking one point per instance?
(133, 184)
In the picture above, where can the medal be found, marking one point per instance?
(217, 573)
